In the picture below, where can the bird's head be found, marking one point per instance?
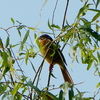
(45, 37)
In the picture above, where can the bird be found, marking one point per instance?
(53, 55)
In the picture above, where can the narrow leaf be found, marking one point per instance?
(26, 57)
(55, 26)
(92, 33)
(12, 20)
(83, 10)
(49, 25)
(96, 16)
(89, 64)
(26, 36)
(94, 10)
(29, 83)
(71, 94)
(98, 85)
(61, 95)
(1, 44)
(31, 28)
(19, 32)
(7, 41)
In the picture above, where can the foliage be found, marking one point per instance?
(83, 38)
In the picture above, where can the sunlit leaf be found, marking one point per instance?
(32, 28)
(16, 88)
(98, 85)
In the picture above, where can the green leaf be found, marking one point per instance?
(95, 17)
(4, 57)
(83, 10)
(19, 32)
(98, 85)
(26, 57)
(7, 42)
(29, 83)
(50, 96)
(2, 89)
(7, 68)
(49, 25)
(98, 55)
(16, 88)
(97, 28)
(94, 10)
(35, 35)
(21, 27)
(26, 36)
(38, 43)
(12, 20)
(1, 44)
(89, 64)
(84, 20)
(24, 40)
(61, 95)
(92, 33)
(71, 94)
(32, 28)
(55, 26)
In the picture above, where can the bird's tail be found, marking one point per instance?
(66, 75)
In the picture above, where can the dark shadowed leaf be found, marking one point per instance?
(71, 94)
(7, 41)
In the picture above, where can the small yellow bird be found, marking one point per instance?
(53, 55)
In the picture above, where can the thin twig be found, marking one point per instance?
(54, 14)
(50, 72)
(38, 71)
(65, 13)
